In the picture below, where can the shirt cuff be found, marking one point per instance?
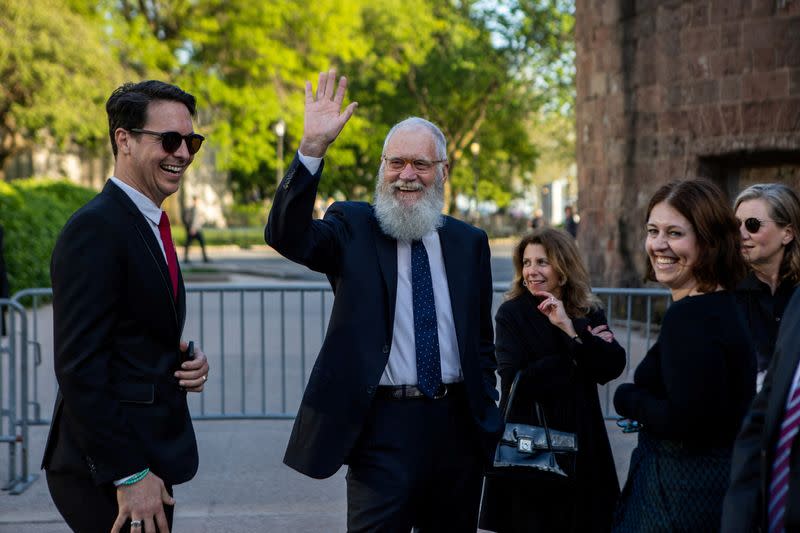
(311, 163)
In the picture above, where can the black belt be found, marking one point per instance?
(409, 392)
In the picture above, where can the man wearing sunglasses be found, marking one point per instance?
(403, 390)
(121, 435)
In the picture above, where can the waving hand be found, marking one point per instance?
(324, 118)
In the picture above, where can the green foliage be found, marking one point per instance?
(32, 213)
(483, 70)
(56, 71)
(247, 215)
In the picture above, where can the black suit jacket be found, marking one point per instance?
(361, 263)
(117, 328)
(562, 376)
(745, 508)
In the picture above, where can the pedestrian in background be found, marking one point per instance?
(193, 221)
(552, 329)
(570, 224)
(538, 220)
(768, 216)
(692, 390)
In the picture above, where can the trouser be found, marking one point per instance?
(417, 464)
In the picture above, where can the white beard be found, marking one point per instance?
(409, 222)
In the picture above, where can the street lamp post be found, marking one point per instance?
(475, 148)
(280, 131)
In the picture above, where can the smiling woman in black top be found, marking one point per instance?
(693, 388)
(768, 216)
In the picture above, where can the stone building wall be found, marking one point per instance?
(677, 89)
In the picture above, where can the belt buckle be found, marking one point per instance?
(443, 394)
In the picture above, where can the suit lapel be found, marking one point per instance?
(458, 273)
(145, 232)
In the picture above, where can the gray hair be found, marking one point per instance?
(415, 122)
(784, 209)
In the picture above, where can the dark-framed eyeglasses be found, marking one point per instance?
(752, 224)
(171, 140)
(397, 164)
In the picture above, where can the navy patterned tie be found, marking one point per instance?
(426, 336)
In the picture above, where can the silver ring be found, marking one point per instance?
(205, 378)
(136, 524)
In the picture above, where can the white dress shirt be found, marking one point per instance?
(401, 369)
(151, 212)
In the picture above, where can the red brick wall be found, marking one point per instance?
(676, 89)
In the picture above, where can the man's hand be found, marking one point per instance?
(193, 373)
(144, 500)
(324, 118)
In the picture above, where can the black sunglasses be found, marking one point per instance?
(171, 140)
(752, 224)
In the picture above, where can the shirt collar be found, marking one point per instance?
(148, 208)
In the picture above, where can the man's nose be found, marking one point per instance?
(408, 172)
(183, 151)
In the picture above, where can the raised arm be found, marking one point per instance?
(291, 229)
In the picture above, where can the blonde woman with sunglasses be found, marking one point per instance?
(768, 215)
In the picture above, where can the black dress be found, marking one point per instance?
(561, 374)
(690, 393)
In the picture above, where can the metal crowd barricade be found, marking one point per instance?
(14, 393)
(261, 341)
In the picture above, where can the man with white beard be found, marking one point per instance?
(403, 389)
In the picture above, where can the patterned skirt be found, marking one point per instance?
(673, 488)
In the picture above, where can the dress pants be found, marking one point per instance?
(417, 463)
(90, 508)
(199, 238)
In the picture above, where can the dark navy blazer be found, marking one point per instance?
(361, 264)
(745, 508)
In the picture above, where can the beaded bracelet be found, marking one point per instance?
(136, 477)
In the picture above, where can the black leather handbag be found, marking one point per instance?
(533, 451)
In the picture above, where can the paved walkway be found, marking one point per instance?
(242, 485)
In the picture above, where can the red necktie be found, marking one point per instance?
(169, 250)
(779, 485)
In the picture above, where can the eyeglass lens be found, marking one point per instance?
(399, 163)
(171, 141)
(752, 224)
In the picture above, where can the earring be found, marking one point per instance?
(524, 283)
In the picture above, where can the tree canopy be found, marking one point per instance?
(485, 72)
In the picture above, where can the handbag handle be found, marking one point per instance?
(539, 411)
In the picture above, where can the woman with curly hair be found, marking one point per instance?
(552, 329)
